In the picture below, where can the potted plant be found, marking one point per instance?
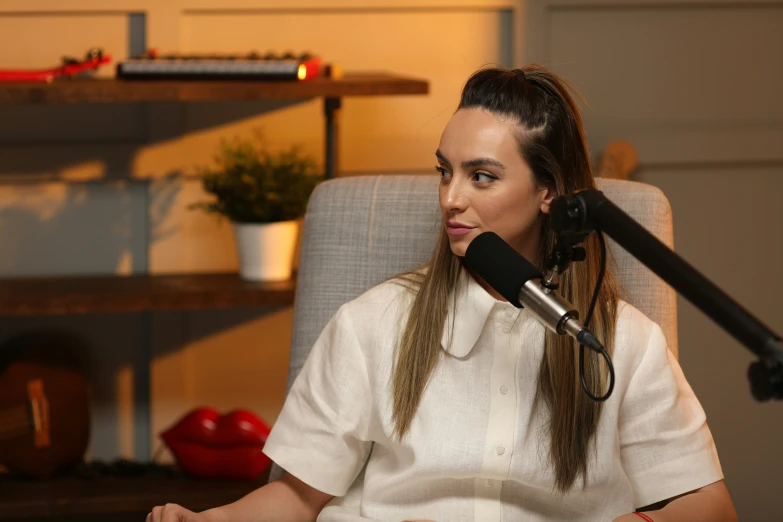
(263, 194)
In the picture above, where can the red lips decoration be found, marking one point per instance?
(209, 445)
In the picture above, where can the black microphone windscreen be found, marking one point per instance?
(502, 267)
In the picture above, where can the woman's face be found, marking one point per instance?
(486, 184)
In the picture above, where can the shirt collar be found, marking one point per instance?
(466, 316)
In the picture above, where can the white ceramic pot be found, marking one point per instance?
(266, 250)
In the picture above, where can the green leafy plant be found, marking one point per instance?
(253, 185)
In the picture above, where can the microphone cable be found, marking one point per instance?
(598, 346)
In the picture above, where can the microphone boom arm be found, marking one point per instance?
(576, 215)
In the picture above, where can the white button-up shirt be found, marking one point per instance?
(478, 448)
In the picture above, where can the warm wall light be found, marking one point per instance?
(301, 72)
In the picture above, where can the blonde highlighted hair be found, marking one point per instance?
(552, 141)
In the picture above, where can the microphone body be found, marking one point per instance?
(520, 283)
(550, 308)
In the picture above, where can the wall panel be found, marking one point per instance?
(693, 82)
(694, 87)
(727, 221)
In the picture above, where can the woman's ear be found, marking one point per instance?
(546, 195)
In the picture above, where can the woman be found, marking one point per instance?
(431, 397)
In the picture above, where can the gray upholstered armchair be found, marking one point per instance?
(359, 231)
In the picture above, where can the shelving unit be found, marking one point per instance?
(113, 498)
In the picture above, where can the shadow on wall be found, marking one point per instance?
(102, 141)
(92, 228)
(73, 228)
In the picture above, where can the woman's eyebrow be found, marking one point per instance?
(482, 162)
(441, 157)
(475, 162)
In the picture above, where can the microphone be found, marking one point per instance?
(519, 282)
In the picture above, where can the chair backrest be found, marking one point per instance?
(359, 231)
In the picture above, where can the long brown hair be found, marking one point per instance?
(552, 141)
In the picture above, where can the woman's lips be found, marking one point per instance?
(455, 228)
(458, 231)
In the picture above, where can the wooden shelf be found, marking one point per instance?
(128, 91)
(98, 294)
(82, 497)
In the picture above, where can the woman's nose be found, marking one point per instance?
(454, 198)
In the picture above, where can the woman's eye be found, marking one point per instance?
(443, 172)
(483, 177)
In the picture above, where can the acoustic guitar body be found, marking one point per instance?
(44, 405)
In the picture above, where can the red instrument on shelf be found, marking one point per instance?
(71, 66)
(252, 66)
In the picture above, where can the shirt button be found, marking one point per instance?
(501, 449)
(509, 313)
(490, 483)
(507, 328)
(504, 389)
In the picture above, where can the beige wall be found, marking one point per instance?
(109, 194)
(695, 86)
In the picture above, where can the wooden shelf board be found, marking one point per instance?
(31, 499)
(100, 294)
(129, 91)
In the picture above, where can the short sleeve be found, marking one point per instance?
(666, 446)
(321, 435)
